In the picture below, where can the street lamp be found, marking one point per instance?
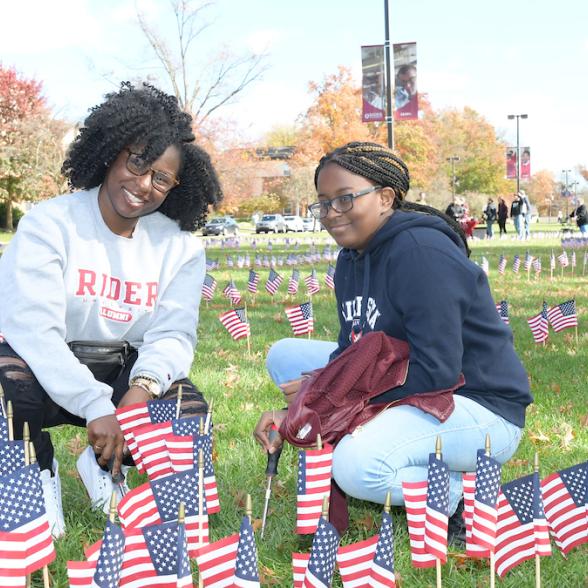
(566, 191)
(452, 159)
(510, 117)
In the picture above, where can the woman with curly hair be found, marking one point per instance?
(404, 270)
(101, 287)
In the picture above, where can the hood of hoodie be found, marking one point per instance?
(403, 221)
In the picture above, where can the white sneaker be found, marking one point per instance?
(98, 483)
(52, 495)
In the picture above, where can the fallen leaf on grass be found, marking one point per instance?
(584, 420)
(566, 437)
(537, 437)
(247, 406)
(76, 445)
(566, 408)
(519, 463)
(278, 318)
(555, 388)
(239, 497)
(256, 524)
(232, 376)
(267, 576)
(464, 561)
(367, 522)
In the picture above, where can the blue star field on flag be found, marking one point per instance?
(108, 567)
(575, 480)
(324, 551)
(488, 473)
(204, 442)
(524, 498)
(161, 411)
(384, 556)
(246, 564)
(21, 498)
(169, 491)
(162, 542)
(183, 569)
(438, 485)
(188, 426)
(12, 456)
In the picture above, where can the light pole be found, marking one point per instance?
(566, 192)
(389, 119)
(510, 117)
(452, 159)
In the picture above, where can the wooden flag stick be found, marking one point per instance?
(248, 507)
(9, 415)
(325, 509)
(200, 504)
(488, 451)
(179, 401)
(26, 437)
(2, 402)
(112, 508)
(319, 442)
(208, 417)
(537, 557)
(248, 331)
(310, 308)
(33, 459)
(388, 502)
(438, 455)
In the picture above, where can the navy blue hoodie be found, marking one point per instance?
(415, 282)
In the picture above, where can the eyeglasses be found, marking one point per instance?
(160, 180)
(343, 203)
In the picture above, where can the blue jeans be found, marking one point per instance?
(518, 223)
(395, 446)
(489, 231)
(583, 229)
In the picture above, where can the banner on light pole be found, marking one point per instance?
(373, 84)
(525, 163)
(406, 101)
(511, 163)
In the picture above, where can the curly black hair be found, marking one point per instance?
(380, 165)
(153, 119)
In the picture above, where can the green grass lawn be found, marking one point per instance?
(557, 423)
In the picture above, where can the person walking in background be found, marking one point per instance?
(502, 215)
(526, 214)
(490, 214)
(515, 214)
(581, 216)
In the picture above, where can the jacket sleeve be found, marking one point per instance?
(431, 294)
(168, 345)
(32, 316)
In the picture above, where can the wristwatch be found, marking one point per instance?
(150, 385)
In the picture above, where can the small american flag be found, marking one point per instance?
(25, 537)
(563, 316)
(564, 498)
(522, 530)
(301, 318)
(330, 277)
(502, 309)
(208, 287)
(257, 260)
(105, 571)
(537, 265)
(485, 515)
(293, 282)
(415, 502)
(216, 562)
(516, 264)
(502, 265)
(230, 291)
(321, 564)
(240, 261)
(273, 282)
(437, 508)
(299, 565)
(573, 259)
(158, 501)
(552, 261)
(253, 281)
(236, 323)
(563, 260)
(314, 483)
(539, 325)
(312, 283)
(246, 572)
(230, 261)
(12, 456)
(528, 261)
(469, 492)
(485, 265)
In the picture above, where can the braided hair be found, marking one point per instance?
(150, 118)
(379, 165)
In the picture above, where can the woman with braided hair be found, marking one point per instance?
(404, 270)
(101, 287)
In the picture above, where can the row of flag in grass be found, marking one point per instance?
(528, 263)
(267, 261)
(272, 284)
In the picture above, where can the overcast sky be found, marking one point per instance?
(502, 57)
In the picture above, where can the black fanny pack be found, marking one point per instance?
(105, 359)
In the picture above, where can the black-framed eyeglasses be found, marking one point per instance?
(343, 203)
(160, 180)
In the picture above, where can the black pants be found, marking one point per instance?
(31, 404)
(502, 225)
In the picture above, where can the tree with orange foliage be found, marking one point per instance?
(31, 150)
(542, 190)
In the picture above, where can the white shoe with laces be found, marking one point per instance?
(52, 495)
(98, 483)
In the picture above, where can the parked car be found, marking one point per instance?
(311, 224)
(294, 223)
(271, 223)
(221, 226)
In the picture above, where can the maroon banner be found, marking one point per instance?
(373, 84)
(406, 102)
(525, 163)
(511, 164)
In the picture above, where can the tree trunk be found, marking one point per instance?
(8, 219)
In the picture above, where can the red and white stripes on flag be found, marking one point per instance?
(564, 496)
(415, 502)
(299, 565)
(314, 483)
(563, 316)
(216, 562)
(355, 562)
(436, 511)
(469, 492)
(235, 321)
(539, 325)
(301, 318)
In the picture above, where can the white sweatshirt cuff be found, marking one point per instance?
(100, 407)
